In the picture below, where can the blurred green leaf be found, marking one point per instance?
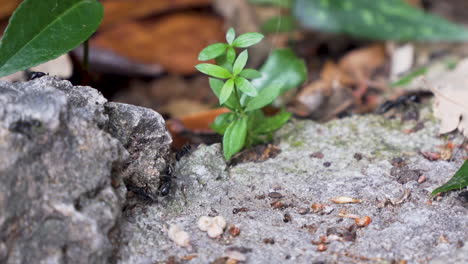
(216, 85)
(458, 181)
(407, 79)
(279, 24)
(212, 51)
(248, 39)
(271, 124)
(230, 35)
(246, 87)
(240, 63)
(280, 3)
(40, 31)
(282, 67)
(265, 97)
(231, 56)
(234, 137)
(213, 70)
(222, 122)
(226, 91)
(373, 19)
(250, 74)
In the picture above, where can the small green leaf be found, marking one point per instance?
(230, 35)
(250, 74)
(246, 87)
(265, 97)
(40, 31)
(226, 91)
(458, 181)
(240, 62)
(280, 3)
(213, 70)
(222, 122)
(373, 19)
(279, 24)
(234, 137)
(212, 51)
(231, 55)
(216, 85)
(223, 61)
(248, 39)
(271, 124)
(407, 79)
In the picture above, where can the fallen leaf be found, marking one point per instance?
(118, 10)
(7, 7)
(451, 95)
(173, 41)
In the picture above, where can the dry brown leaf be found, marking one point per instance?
(361, 63)
(173, 41)
(7, 7)
(451, 97)
(123, 10)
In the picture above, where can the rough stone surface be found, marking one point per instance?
(143, 134)
(61, 190)
(359, 153)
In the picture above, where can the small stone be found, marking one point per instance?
(234, 230)
(179, 236)
(240, 210)
(236, 255)
(303, 211)
(327, 164)
(357, 156)
(287, 218)
(269, 240)
(275, 195)
(277, 205)
(318, 155)
(322, 247)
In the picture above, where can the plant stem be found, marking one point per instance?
(86, 55)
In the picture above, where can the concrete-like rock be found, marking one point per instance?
(358, 159)
(61, 189)
(143, 133)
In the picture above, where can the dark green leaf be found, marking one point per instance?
(271, 124)
(265, 97)
(40, 31)
(216, 85)
(248, 39)
(231, 56)
(280, 3)
(458, 181)
(226, 91)
(250, 74)
(213, 70)
(246, 87)
(230, 36)
(282, 67)
(279, 24)
(222, 122)
(234, 137)
(373, 19)
(212, 51)
(239, 64)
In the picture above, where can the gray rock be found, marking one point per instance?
(143, 133)
(61, 191)
(406, 223)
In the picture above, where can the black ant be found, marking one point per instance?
(404, 100)
(32, 75)
(165, 180)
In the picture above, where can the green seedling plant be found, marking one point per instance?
(245, 124)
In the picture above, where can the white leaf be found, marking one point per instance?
(451, 99)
